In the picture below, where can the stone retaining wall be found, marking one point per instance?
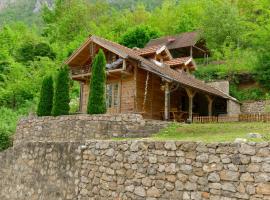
(85, 127)
(254, 107)
(149, 170)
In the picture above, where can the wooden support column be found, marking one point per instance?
(191, 93)
(210, 104)
(81, 97)
(167, 101)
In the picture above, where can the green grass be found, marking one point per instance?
(219, 132)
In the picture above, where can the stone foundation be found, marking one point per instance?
(135, 170)
(85, 127)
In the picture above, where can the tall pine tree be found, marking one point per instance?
(61, 95)
(97, 98)
(46, 97)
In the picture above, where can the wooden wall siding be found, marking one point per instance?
(85, 96)
(155, 97)
(127, 94)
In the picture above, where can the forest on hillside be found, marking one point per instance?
(237, 32)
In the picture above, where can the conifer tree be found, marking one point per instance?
(46, 97)
(61, 95)
(97, 98)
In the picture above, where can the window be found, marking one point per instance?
(112, 95)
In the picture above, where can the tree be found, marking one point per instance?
(61, 95)
(221, 22)
(46, 97)
(42, 49)
(29, 51)
(138, 36)
(97, 99)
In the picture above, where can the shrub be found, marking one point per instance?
(5, 141)
(29, 51)
(97, 99)
(46, 97)
(61, 95)
(247, 94)
(42, 49)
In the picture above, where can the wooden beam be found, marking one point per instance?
(109, 72)
(81, 96)
(210, 100)
(191, 93)
(136, 88)
(167, 103)
(81, 75)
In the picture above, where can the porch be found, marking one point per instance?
(183, 104)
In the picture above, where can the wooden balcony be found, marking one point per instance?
(84, 73)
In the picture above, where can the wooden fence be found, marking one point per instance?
(232, 118)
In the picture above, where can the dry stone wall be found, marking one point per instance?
(85, 127)
(254, 107)
(133, 169)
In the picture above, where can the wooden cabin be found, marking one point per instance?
(148, 81)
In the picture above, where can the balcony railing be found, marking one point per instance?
(80, 70)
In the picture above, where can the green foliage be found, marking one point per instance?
(138, 36)
(221, 23)
(8, 122)
(97, 99)
(229, 65)
(30, 51)
(5, 141)
(46, 97)
(42, 49)
(247, 94)
(61, 95)
(263, 68)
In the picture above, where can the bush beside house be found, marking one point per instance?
(97, 98)
(61, 95)
(46, 97)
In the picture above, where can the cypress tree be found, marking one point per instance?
(46, 97)
(97, 98)
(61, 95)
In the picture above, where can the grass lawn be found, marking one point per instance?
(219, 132)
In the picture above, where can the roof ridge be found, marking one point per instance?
(112, 42)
